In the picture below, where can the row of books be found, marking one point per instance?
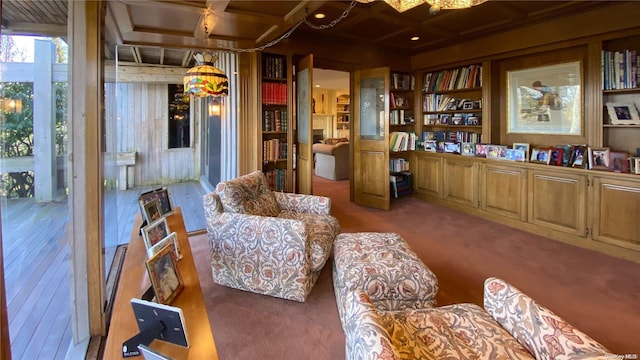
(274, 93)
(441, 102)
(402, 81)
(461, 78)
(274, 120)
(401, 183)
(400, 117)
(454, 136)
(620, 69)
(276, 179)
(274, 149)
(402, 141)
(398, 101)
(275, 67)
(398, 165)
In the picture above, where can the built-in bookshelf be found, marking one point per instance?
(277, 140)
(452, 104)
(402, 137)
(620, 61)
(343, 115)
(401, 103)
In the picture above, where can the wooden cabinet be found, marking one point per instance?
(460, 180)
(278, 140)
(503, 190)
(557, 200)
(616, 205)
(427, 170)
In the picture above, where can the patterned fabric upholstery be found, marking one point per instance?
(460, 331)
(248, 194)
(383, 265)
(542, 332)
(281, 255)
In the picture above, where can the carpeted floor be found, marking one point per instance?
(596, 293)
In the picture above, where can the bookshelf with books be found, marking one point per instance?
(277, 136)
(343, 115)
(402, 137)
(620, 62)
(401, 101)
(452, 104)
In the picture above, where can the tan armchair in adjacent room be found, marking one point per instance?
(268, 242)
(332, 159)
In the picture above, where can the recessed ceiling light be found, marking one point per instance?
(319, 16)
(414, 38)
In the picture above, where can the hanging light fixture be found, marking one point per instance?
(404, 5)
(204, 79)
(11, 106)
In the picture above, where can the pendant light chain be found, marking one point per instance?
(292, 29)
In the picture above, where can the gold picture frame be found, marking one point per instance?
(165, 275)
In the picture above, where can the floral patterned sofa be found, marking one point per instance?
(268, 242)
(510, 326)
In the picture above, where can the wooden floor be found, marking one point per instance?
(37, 263)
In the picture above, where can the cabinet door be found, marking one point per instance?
(558, 201)
(503, 190)
(428, 174)
(616, 205)
(305, 126)
(461, 181)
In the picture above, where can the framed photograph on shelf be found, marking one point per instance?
(153, 233)
(515, 154)
(165, 275)
(172, 240)
(566, 153)
(555, 156)
(481, 150)
(431, 145)
(524, 147)
(545, 100)
(162, 195)
(496, 152)
(452, 147)
(467, 105)
(623, 114)
(634, 165)
(578, 154)
(444, 119)
(618, 162)
(151, 211)
(598, 158)
(541, 155)
(468, 149)
(457, 119)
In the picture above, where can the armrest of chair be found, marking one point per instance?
(539, 330)
(315, 204)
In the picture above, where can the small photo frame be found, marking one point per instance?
(599, 158)
(457, 119)
(452, 147)
(172, 240)
(481, 150)
(165, 275)
(634, 165)
(515, 154)
(618, 162)
(496, 151)
(555, 156)
(444, 119)
(541, 155)
(524, 147)
(578, 154)
(153, 233)
(623, 114)
(467, 105)
(472, 119)
(468, 149)
(151, 211)
(431, 145)
(566, 153)
(162, 195)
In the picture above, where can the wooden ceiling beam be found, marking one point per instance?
(48, 30)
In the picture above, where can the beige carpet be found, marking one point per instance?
(596, 293)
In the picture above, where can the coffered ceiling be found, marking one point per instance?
(167, 32)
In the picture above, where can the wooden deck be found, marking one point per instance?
(37, 263)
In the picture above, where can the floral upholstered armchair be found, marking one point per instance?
(268, 242)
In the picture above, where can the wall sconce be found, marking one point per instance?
(11, 106)
(214, 107)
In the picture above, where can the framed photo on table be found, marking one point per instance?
(165, 275)
(524, 147)
(598, 158)
(618, 162)
(545, 100)
(541, 155)
(579, 156)
(155, 232)
(160, 194)
(171, 239)
(623, 114)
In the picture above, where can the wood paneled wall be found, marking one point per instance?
(141, 112)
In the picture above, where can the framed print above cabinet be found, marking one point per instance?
(545, 100)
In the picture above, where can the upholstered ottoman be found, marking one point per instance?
(385, 268)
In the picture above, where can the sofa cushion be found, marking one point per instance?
(248, 194)
(321, 230)
(333, 141)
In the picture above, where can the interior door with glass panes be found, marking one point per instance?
(370, 138)
(304, 98)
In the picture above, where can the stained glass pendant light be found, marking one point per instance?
(204, 79)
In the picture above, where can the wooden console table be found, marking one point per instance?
(134, 281)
